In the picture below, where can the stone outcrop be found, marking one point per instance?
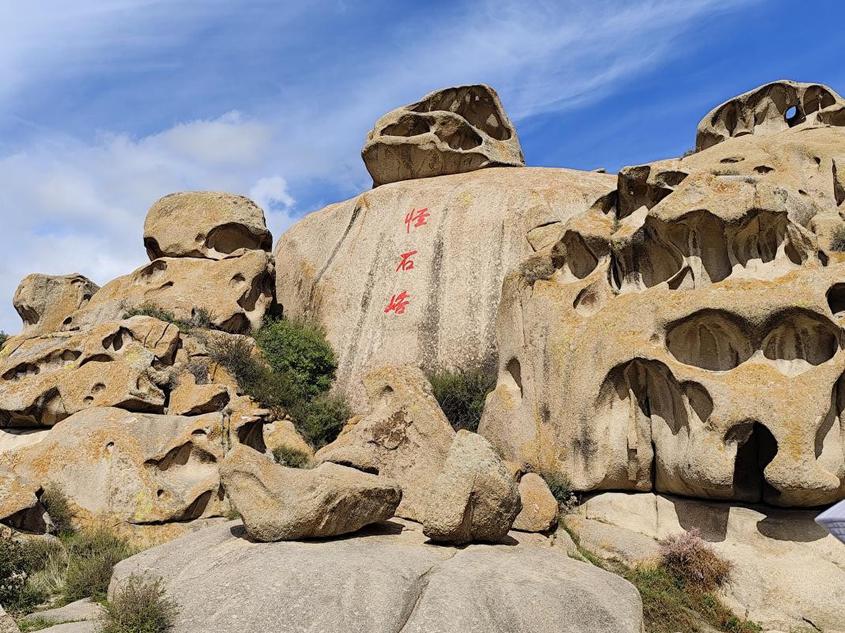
(411, 273)
(45, 301)
(474, 498)
(395, 581)
(404, 437)
(135, 467)
(539, 507)
(20, 507)
(788, 573)
(208, 224)
(770, 109)
(448, 131)
(684, 335)
(279, 503)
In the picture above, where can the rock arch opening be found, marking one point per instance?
(756, 448)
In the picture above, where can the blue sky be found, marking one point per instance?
(106, 105)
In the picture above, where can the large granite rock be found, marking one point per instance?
(280, 503)
(20, 507)
(344, 266)
(208, 224)
(788, 573)
(45, 301)
(474, 498)
(385, 580)
(404, 437)
(448, 131)
(685, 336)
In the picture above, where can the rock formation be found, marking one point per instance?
(683, 335)
(539, 507)
(449, 131)
(45, 301)
(284, 504)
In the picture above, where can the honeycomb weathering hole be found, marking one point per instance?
(711, 340)
(756, 448)
(836, 298)
(801, 336)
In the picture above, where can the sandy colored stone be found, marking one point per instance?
(685, 334)
(7, 622)
(47, 378)
(45, 301)
(283, 433)
(14, 439)
(135, 467)
(787, 571)
(190, 398)
(339, 265)
(228, 584)
(474, 498)
(235, 291)
(612, 542)
(78, 611)
(448, 131)
(280, 503)
(208, 224)
(19, 505)
(404, 437)
(770, 109)
(539, 507)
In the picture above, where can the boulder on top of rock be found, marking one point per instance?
(45, 301)
(208, 224)
(135, 467)
(539, 507)
(279, 503)
(405, 437)
(475, 498)
(19, 505)
(448, 131)
(769, 109)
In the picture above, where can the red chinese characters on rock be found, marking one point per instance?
(406, 263)
(398, 303)
(417, 218)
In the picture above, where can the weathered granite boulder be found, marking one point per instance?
(404, 437)
(539, 507)
(475, 497)
(208, 224)
(411, 273)
(383, 580)
(448, 131)
(45, 301)
(685, 336)
(19, 504)
(279, 503)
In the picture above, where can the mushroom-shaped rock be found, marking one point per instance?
(539, 507)
(475, 498)
(19, 505)
(405, 437)
(281, 504)
(448, 131)
(208, 224)
(769, 109)
(44, 301)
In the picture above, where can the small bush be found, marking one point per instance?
(200, 317)
(321, 420)
(300, 351)
(140, 606)
(461, 395)
(58, 507)
(837, 240)
(291, 457)
(3, 338)
(92, 555)
(561, 489)
(48, 561)
(150, 310)
(15, 567)
(693, 563)
(536, 268)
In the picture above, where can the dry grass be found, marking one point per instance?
(140, 606)
(693, 562)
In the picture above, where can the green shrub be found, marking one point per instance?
(58, 507)
(837, 240)
(561, 489)
(300, 351)
(291, 457)
(140, 606)
(461, 395)
(3, 338)
(92, 555)
(693, 563)
(16, 595)
(321, 420)
(48, 564)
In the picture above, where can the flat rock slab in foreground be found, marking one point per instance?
(385, 580)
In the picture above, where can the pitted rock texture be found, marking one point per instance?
(684, 335)
(404, 437)
(279, 503)
(135, 467)
(343, 264)
(474, 498)
(45, 301)
(208, 224)
(393, 579)
(770, 109)
(448, 131)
